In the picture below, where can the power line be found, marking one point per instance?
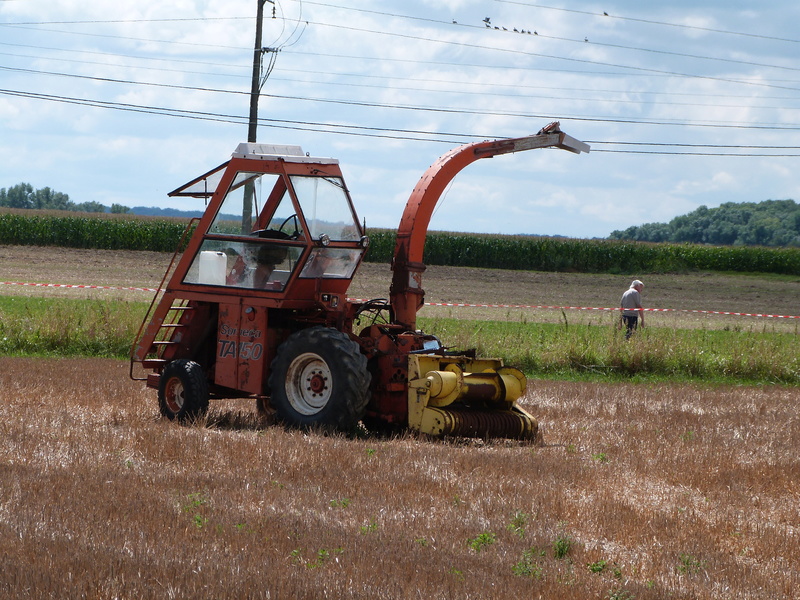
(373, 104)
(125, 81)
(125, 21)
(382, 132)
(450, 90)
(121, 37)
(652, 22)
(383, 13)
(675, 122)
(665, 153)
(423, 19)
(342, 56)
(571, 40)
(351, 130)
(388, 132)
(683, 145)
(119, 54)
(560, 58)
(105, 64)
(448, 110)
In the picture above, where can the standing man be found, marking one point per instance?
(632, 307)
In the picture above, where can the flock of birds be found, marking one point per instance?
(488, 22)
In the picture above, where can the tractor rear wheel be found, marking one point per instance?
(183, 391)
(319, 378)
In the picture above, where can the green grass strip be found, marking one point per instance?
(601, 351)
(67, 327)
(32, 326)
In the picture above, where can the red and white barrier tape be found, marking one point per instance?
(82, 287)
(453, 304)
(706, 312)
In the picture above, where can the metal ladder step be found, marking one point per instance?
(153, 363)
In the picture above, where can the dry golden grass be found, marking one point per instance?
(684, 492)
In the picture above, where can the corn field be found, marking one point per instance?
(527, 253)
(117, 232)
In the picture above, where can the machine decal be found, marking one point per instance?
(229, 331)
(245, 350)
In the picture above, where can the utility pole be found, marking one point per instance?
(252, 129)
(255, 86)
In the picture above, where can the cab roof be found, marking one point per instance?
(205, 185)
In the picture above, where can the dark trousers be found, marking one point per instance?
(630, 325)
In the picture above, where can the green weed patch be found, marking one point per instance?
(67, 327)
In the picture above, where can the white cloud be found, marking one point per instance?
(490, 83)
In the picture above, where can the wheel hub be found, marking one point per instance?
(174, 395)
(317, 383)
(308, 383)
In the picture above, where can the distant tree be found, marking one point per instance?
(119, 209)
(94, 207)
(767, 223)
(18, 196)
(46, 198)
(654, 232)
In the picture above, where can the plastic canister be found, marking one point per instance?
(212, 267)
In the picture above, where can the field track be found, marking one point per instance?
(682, 292)
(651, 491)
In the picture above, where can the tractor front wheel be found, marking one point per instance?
(319, 378)
(183, 391)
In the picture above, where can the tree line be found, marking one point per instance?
(773, 223)
(23, 195)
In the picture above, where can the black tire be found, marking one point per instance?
(319, 378)
(183, 391)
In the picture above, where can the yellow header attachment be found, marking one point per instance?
(462, 396)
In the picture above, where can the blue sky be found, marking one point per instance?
(684, 103)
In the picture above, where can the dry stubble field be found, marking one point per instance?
(637, 491)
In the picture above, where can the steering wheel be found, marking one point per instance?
(296, 233)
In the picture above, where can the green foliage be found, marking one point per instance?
(561, 546)
(529, 253)
(597, 567)
(23, 196)
(547, 350)
(128, 232)
(68, 327)
(120, 233)
(194, 502)
(527, 566)
(457, 573)
(689, 565)
(619, 594)
(370, 528)
(322, 557)
(518, 524)
(768, 223)
(101, 328)
(481, 541)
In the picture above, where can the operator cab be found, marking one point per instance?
(276, 219)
